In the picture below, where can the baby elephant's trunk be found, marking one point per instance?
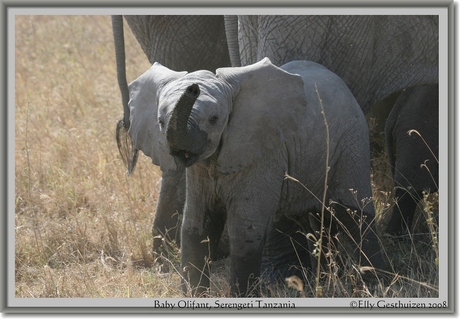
(177, 128)
(185, 139)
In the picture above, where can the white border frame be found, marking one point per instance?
(319, 305)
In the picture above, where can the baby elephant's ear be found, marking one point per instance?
(145, 129)
(267, 113)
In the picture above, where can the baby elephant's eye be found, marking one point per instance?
(213, 119)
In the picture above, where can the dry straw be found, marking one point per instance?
(83, 227)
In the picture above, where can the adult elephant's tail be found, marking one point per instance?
(125, 145)
(231, 31)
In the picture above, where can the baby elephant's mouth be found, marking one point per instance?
(186, 157)
(189, 150)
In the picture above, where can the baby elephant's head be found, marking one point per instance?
(193, 112)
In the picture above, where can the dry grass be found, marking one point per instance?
(83, 228)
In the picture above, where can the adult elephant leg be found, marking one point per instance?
(168, 216)
(411, 133)
(403, 212)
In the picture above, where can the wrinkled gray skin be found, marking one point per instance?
(183, 43)
(413, 157)
(374, 55)
(239, 132)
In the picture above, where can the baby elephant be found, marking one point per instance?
(240, 132)
(411, 133)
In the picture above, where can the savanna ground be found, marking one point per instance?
(82, 227)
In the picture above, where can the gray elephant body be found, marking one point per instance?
(182, 42)
(374, 55)
(257, 124)
(413, 155)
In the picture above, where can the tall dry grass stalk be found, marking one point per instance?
(319, 289)
(82, 227)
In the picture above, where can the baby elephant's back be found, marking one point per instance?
(323, 84)
(327, 91)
